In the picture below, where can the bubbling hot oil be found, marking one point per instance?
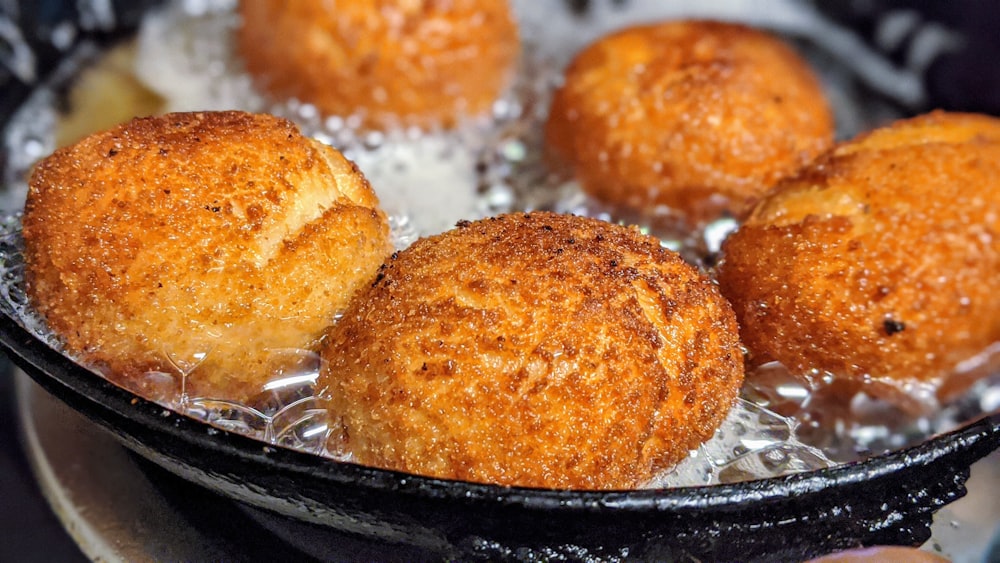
(489, 165)
(753, 441)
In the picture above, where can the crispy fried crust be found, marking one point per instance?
(393, 62)
(536, 350)
(880, 260)
(687, 114)
(226, 234)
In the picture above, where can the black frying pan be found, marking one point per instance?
(888, 499)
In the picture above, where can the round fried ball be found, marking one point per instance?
(881, 554)
(878, 263)
(392, 62)
(536, 350)
(698, 116)
(194, 243)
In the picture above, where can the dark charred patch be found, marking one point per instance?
(892, 326)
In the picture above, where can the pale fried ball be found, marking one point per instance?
(879, 261)
(197, 242)
(392, 62)
(698, 116)
(536, 350)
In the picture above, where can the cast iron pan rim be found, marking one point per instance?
(111, 405)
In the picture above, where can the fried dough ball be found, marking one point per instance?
(878, 263)
(536, 350)
(195, 243)
(881, 554)
(392, 62)
(698, 116)
(104, 95)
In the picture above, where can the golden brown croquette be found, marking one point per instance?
(878, 263)
(532, 349)
(698, 116)
(391, 62)
(195, 243)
